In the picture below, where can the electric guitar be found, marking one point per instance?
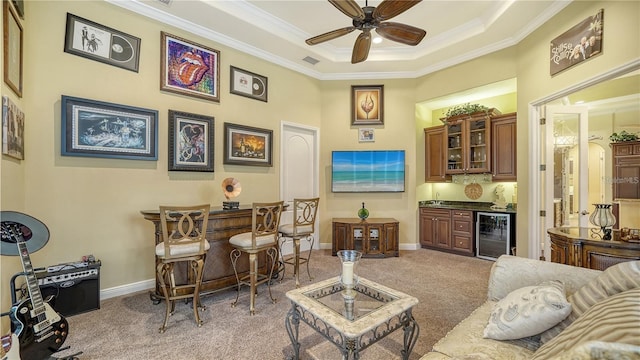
(40, 329)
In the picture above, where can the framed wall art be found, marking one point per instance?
(246, 83)
(191, 142)
(97, 42)
(12, 129)
(19, 5)
(367, 105)
(189, 69)
(12, 46)
(366, 135)
(100, 129)
(580, 43)
(245, 145)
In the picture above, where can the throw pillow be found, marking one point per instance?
(613, 280)
(614, 319)
(528, 311)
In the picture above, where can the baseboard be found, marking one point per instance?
(127, 289)
(327, 246)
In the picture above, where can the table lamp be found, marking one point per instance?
(604, 219)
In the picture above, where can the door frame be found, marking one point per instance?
(538, 242)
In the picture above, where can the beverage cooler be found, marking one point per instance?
(495, 234)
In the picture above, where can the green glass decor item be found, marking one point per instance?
(363, 213)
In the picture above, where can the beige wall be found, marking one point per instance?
(92, 205)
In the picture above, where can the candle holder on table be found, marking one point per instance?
(604, 219)
(348, 278)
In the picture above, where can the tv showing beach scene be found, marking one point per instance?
(367, 171)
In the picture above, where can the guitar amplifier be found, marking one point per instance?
(76, 287)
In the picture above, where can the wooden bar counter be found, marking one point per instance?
(218, 272)
(578, 247)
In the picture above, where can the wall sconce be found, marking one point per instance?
(603, 218)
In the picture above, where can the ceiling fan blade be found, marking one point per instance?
(401, 33)
(361, 47)
(349, 8)
(329, 35)
(390, 8)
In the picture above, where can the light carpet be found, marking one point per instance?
(449, 287)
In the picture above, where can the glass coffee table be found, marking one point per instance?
(352, 320)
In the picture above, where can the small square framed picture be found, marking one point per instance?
(366, 135)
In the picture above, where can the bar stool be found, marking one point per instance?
(265, 219)
(183, 240)
(303, 227)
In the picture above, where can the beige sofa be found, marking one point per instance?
(465, 341)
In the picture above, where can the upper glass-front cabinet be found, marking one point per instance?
(468, 142)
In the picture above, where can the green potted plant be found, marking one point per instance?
(623, 136)
(468, 110)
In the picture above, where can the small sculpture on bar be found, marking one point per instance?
(603, 218)
(231, 188)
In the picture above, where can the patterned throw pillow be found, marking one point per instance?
(528, 311)
(613, 280)
(614, 319)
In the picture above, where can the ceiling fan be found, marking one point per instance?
(368, 18)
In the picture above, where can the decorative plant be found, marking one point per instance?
(465, 109)
(623, 136)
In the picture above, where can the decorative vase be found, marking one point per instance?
(363, 213)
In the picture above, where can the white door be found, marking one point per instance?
(299, 170)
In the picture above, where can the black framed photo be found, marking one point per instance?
(246, 83)
(97, 42)
(246, 145)
(191, 142)
(101, 129)
(367, 105)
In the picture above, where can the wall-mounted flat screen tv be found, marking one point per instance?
(367, 171)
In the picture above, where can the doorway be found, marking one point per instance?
(579, 191)
(299, 171)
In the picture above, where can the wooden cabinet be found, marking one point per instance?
(504, 147)
(467, 144)
(375, 237)
(626, 170)
(577, 247)
(435, 149)
(462, 231)
(435, 228)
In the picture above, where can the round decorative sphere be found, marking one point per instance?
(363, 213)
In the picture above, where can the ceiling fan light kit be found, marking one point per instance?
(370, 17)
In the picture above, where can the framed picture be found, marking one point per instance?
(189, 69)
(12, 129)
(367, 105)
(366, 135)
(246, 83)
(100, 43)
(191, 142)
(245, 145)
(580, 43)
(101, 129)
(19, 5)
(12, 31)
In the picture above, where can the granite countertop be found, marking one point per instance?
(465, 205)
